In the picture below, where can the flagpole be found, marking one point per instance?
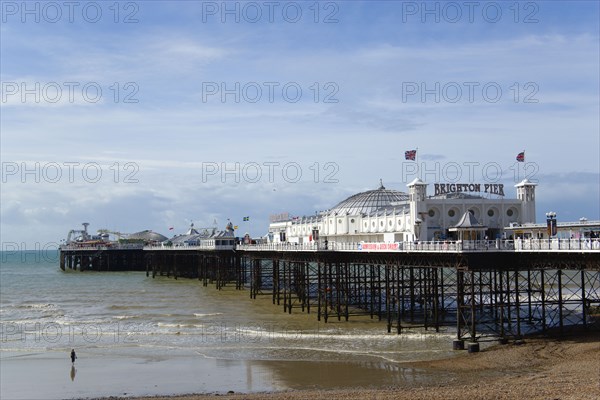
(417, 161)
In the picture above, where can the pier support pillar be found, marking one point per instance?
(473, 347)
(458, 345)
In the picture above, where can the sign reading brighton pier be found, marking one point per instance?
(492, 188)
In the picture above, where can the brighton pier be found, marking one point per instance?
(497, 280)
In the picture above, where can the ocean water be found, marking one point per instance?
(158, 334)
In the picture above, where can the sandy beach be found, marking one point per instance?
(540, 368)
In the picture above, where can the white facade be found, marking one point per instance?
(384, 215)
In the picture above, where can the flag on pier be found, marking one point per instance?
(521, 156)
(410, 155)
(246, 218)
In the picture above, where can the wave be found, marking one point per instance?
(200, 315)
(38, 306)
(300, 353)
(175, 325)
(335, 335)
(75, 322)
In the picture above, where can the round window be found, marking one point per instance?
(381, 223)
(373, 224)
(451, 213)
(352, 220)
(490, 213)
(390, 223)
(339, 221)
(431, 213)
(509, 212)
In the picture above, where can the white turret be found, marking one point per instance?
(526, 193)
(417, 191)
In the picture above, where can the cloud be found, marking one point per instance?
(173, 132)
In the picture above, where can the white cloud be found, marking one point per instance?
(171, 133)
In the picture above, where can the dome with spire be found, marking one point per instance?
(147, 236)
(369, 201)
(192, 230)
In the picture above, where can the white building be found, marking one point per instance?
(385, 215)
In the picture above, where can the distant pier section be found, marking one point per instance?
(85, 252)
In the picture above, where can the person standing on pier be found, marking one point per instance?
(73, 356)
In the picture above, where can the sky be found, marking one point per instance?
(139, 115)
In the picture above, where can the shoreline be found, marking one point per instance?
(540, 368)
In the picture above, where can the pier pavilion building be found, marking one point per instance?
(210, 238)
(388, 215)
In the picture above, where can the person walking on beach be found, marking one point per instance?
(73, 356)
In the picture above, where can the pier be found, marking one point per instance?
(102, 258)
(499, 289)
(407, 259)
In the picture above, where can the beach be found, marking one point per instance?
(540, 368)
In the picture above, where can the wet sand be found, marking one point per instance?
(541, 368)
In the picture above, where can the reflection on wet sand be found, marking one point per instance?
(73, 372)
(296, 374)
(336, 375)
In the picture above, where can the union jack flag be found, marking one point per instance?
(410, 155)
(521, 157)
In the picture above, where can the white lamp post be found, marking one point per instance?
(551, 223)
(418, 223)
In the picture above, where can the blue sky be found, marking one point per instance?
(179, 132)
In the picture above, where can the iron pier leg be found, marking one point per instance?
(400, 298)
(319, 291)
(583, 300)
(543, 296)
(560, 301)
(387, 298)
(517, 304)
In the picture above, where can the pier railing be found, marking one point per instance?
(557, 244)
(430, 246)
(188, 247)
(102, 246)
(498, 245)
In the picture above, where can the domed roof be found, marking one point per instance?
(147, 236)
(369, 201)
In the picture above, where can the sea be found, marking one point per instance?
(138, 335)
